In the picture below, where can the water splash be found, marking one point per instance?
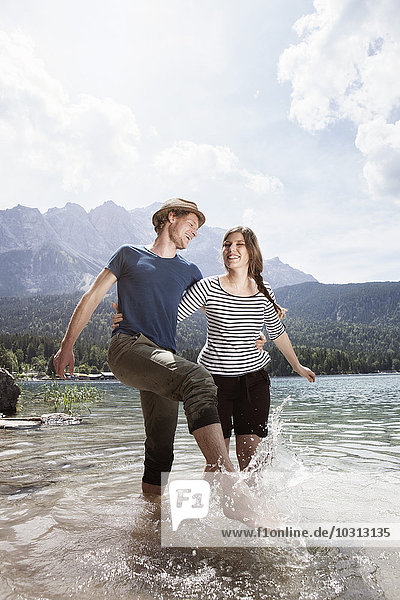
(94, 538)
(275, 470)
(272, 449)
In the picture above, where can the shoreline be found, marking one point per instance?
(113, 380)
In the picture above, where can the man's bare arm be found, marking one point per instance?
(82, 313)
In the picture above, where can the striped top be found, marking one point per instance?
(233, 325)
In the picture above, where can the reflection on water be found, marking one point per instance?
(74, 526)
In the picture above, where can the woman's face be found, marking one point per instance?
(234, 251)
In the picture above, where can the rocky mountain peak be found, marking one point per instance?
(23, 227)
(69, 208)
(107, 208)
(62, 250)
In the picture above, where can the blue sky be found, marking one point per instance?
(281, 115)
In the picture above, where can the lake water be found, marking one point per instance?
(73, 524)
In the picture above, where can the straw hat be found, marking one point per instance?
(177, 203)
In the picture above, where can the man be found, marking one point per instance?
(151, 280)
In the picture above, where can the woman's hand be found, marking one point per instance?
(306, 372)
(117, 317)
(260, 342)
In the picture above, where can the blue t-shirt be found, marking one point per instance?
(149, 291)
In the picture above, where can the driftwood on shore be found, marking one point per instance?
(34, 422)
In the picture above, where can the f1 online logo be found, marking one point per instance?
(190, 499)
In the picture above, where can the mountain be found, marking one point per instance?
(358, 318)
(64, 249)
(359, 306)
(376, 303)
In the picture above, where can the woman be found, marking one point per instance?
(237, 305)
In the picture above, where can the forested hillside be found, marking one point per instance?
(334, 328)
(366, 303)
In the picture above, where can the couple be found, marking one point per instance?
(151, 282)
(237, 306)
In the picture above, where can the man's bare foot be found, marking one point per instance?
(239, 503)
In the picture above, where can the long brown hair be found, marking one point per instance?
(255, 263)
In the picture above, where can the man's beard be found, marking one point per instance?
(179, 244)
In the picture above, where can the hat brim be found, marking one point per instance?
(164, 211)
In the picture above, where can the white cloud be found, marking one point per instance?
(198, 163)
(80, 143)
(249, 218)
(380, 142)
(337, 249)
(345, 68)
(262, 184)
(192, 161)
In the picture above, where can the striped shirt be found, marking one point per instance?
(233, 325)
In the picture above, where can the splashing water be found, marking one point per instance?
(298, 492)
(73, 524)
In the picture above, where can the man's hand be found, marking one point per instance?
(260, 342)
(62, 359)
(117, 318)
(306, 372)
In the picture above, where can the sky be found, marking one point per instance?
(282, 115)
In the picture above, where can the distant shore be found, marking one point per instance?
(90, 379)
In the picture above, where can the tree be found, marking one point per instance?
(39, 364)
(8, 359)
(50, 368)
(20, 357)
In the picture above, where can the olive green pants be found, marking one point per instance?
(164, 379)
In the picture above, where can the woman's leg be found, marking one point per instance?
(250, 415)
(225, 393)
(246, 446)
(227, 389)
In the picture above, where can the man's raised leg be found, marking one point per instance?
(160, 420)
(138, 362)
(212, 444)
(142, 364)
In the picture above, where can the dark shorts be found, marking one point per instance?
(243, 403)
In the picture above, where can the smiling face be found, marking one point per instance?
(183, 229)
(234, 251)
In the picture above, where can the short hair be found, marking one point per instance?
(162, 219)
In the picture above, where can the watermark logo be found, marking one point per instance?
(189, 499)
(216, 511)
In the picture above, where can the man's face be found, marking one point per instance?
(183, 229)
